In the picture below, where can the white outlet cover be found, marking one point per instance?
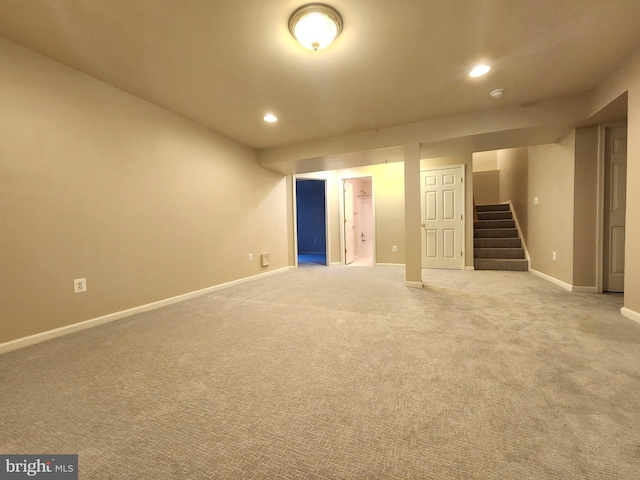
(80, 285)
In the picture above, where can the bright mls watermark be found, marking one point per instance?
(49, 467)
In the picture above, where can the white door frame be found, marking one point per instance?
(602, 136)
(341, 181)
(463, 209)
(349, 224)
(295, 216)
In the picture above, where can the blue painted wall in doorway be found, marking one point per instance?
(311, 216)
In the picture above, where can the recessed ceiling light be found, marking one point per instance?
(315, 25)
(270, 118)
(497, 93)
(479, 70)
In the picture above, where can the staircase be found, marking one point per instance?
(497, 245)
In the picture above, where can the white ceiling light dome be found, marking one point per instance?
(479, 70)
(315, 25)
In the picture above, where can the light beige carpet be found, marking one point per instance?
(341, 372)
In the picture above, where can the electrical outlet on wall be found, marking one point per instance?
(79, 285)
(251, 257)
(553, 255)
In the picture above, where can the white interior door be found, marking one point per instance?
(349, 227)
(615, 195)
(442, 218)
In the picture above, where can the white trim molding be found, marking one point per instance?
(94, 322)
(630, 314)
(566, 286)
(551, 279)
(582, 289)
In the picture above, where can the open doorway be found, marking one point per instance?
(359, 230)
(311, 224)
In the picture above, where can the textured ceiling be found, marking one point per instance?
(226, 63)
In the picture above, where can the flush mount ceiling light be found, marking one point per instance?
(315, 25)
(479, 70)
(270, 118)
(497, 93)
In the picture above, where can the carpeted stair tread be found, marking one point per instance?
(512, 264)
(496, 233)
(494, 215)
(493, 208)
(497, 244)
(499, 253)
(505, 223)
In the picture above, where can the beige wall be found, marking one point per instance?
(388, 198)
(627, 78)
(586, 208)
(291, 234)
(550, 223)
(485, 161)
(467, 161)
(388, 184)
(514, 178)
(99, 184)
(486, 187)
(632, 259)
(486, 178)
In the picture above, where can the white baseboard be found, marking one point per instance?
(94, 322)
(413, 284)
(631, 314)
(577, 289)
(469, 268)
(390, 264)
(551, 279)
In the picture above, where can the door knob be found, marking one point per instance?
(424, 224)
